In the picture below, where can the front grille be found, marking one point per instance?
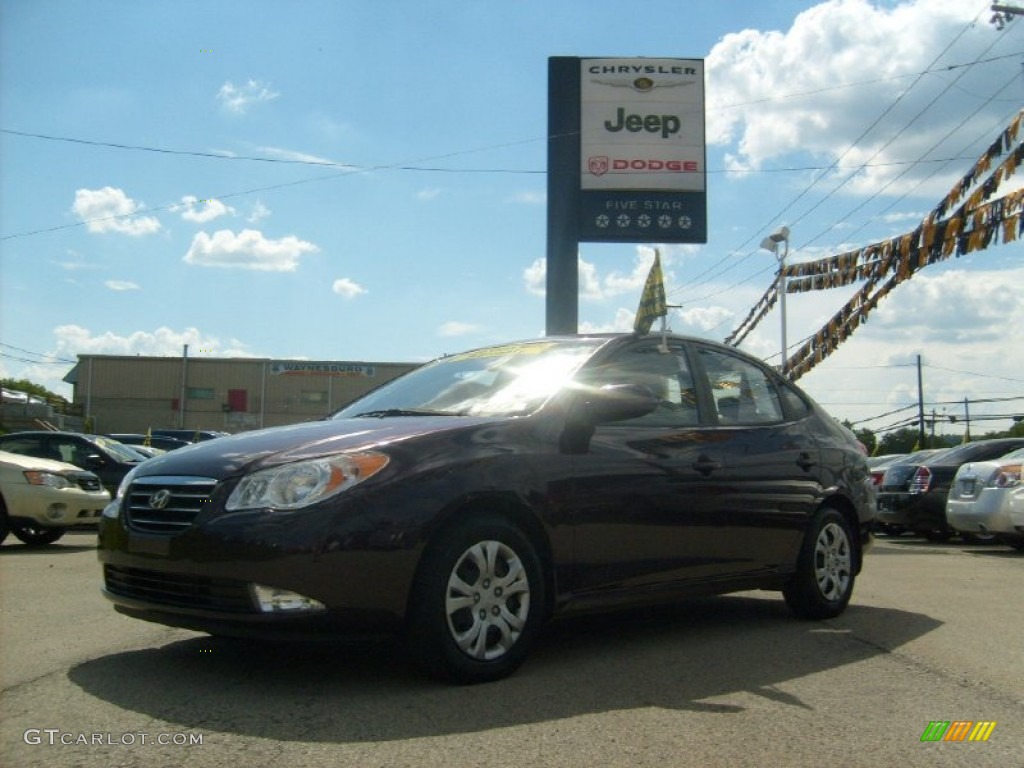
(179, 589)
(86, 481)
(166, 505)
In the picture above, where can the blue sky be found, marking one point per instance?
(427, 235)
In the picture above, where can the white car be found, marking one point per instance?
(40, 498)
(987, 497)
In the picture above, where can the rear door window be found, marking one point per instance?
(742, 393)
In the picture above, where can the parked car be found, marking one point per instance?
(987, 499)
(920, 504)
(469, 501)
(189, 435)
(147, 450)
(895, 479)
(156, 441)
(878, 465)
(41, 499)
(108, 458)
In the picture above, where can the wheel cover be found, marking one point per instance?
(832, 562)
(487, 600)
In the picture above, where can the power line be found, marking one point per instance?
(37, 354)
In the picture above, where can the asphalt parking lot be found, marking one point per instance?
(933, 634)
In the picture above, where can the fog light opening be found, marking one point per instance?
(56, 511)
(274, 600)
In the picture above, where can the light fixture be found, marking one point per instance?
(771, 244)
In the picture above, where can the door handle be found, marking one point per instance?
(804, 461)
(706, 466)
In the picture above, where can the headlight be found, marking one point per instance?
(297, 485)
(122, 489)
(52, 479)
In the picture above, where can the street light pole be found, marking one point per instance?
(771, 243)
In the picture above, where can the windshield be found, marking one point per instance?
(120, 451)
(509, 380)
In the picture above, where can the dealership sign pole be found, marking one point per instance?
(626, 163)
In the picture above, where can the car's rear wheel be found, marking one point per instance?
(36, 535)
(477, 604)
(823, 582)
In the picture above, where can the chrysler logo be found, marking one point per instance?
(160, 499)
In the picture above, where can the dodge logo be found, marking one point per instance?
(597, 165)
(160, 499)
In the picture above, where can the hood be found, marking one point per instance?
(31, 462)
(235, 454)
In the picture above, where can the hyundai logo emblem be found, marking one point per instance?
(160, 499)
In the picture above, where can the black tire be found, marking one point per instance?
(937, 534)
(465, 624)
(978, 538)
(36, 535)
(4, 523)
(823, 582)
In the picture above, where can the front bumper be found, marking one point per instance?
(204, 578)
(53, 507)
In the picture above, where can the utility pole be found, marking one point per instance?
(920, 406)
(967, 419)
(184, 389)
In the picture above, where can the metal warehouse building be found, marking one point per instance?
(132, 394)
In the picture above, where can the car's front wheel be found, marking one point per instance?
(823, 582)
(36, 535)
(478, 603)
(4, 523)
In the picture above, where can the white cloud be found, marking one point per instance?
(121, 285)
(622, 323)
(249, 249)
(210, 210)
(428, 194)
(819, 109)
(455, 328)
(976, 307)
(706, 318)
(238, 99)
(592, 287)
(535, 277)
(259, 211)
(75, 263)
(347, 288)
(290, 154)
(530, 198)
(110, 210)
(75, 340)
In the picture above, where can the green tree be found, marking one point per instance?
(899, 441)
(31, 388)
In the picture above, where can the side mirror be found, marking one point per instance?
(616, 402)
(94, 461)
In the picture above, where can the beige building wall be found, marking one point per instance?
(133, 394)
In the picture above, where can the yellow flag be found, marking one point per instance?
(652, 301)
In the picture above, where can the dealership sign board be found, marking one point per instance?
(639, 148)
